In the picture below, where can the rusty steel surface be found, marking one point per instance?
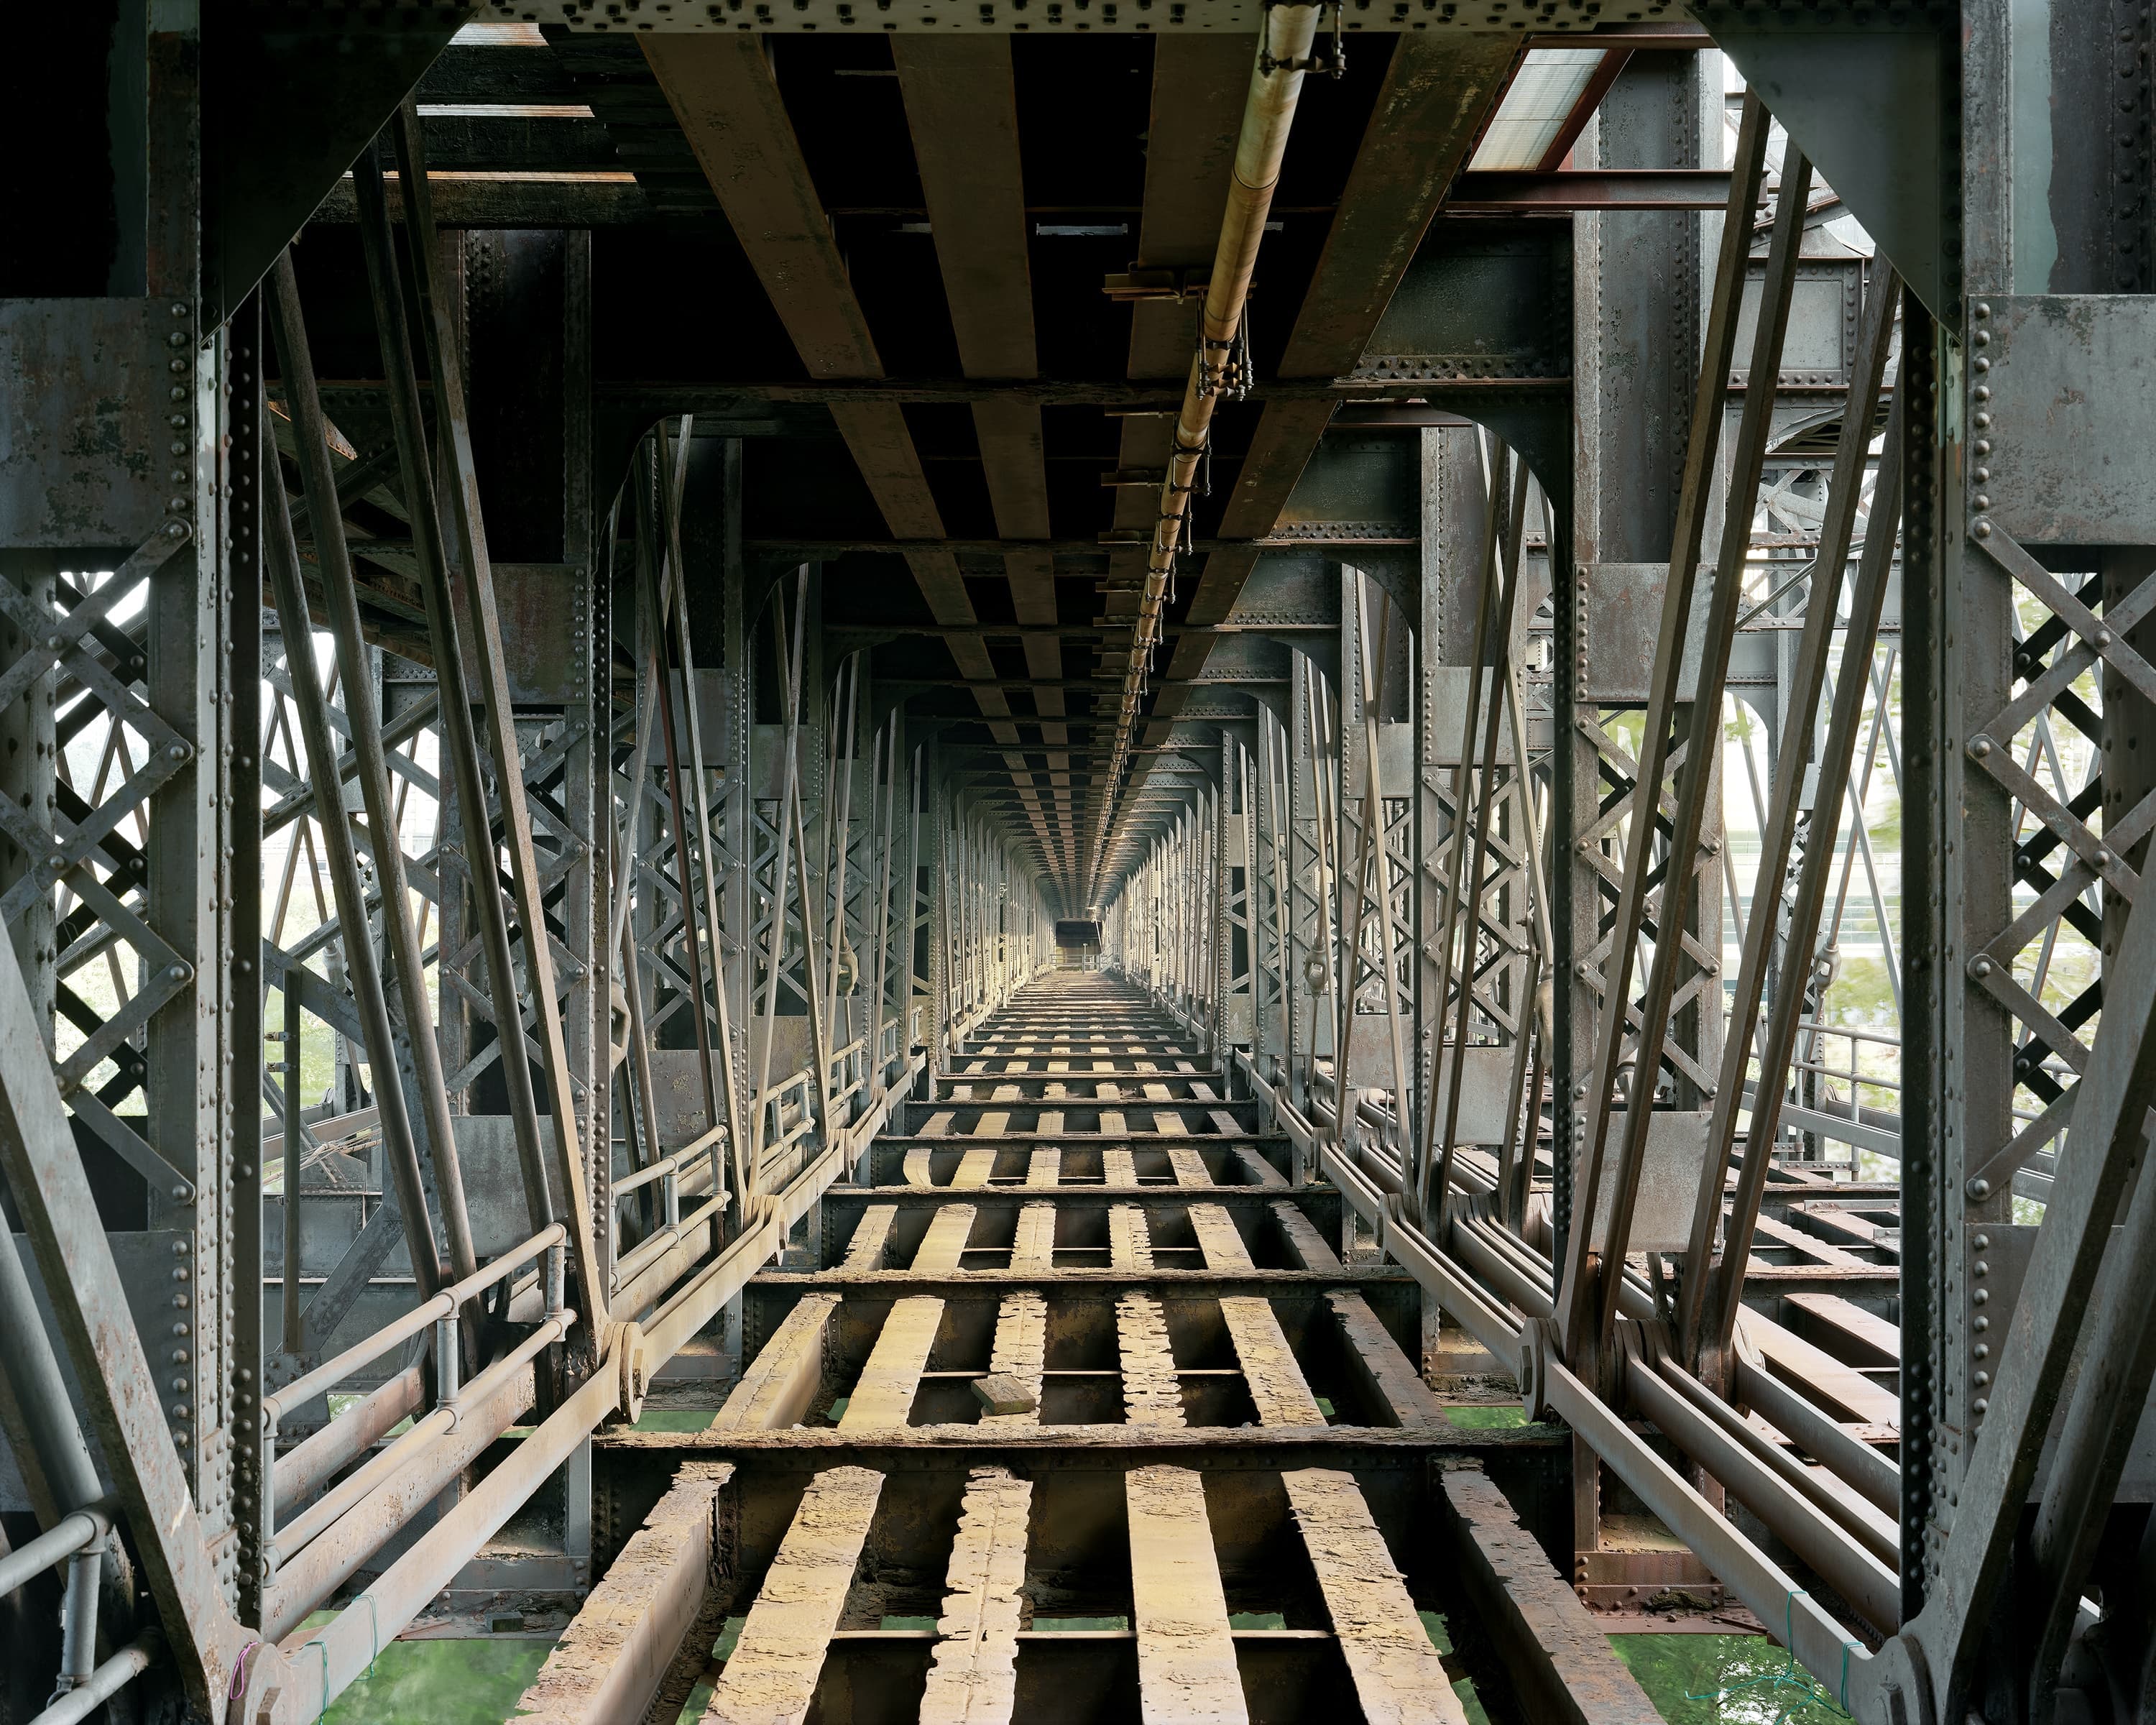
(1311, 506)
(982, 1392)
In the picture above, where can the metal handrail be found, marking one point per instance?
(73, 1532)
(333, 1371)
(674, 1162)
(107, 1681)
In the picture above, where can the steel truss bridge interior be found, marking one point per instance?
(1037, 861)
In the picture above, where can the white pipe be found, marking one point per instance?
(1285, 53)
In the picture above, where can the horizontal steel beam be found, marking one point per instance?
(1522, 192)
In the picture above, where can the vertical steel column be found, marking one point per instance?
(187, 1098)
(1930, 936)
(415, 1031)
(1269, 967)
(1638, 312)
(670, 516)
(1581, 1287)
(932, 851)
(1493, 657)
(246, 452)
(28, 780)
(587, 782)
(468, 536)
(915, 925)
(658, 574)
(737, 803)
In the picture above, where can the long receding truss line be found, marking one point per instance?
(1224, 861)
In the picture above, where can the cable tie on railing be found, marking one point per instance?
(234, 1689)
(322, 1647)
(1789, 1675)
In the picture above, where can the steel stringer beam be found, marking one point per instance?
(962, 108)
(729, 106)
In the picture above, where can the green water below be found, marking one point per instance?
(475, 1682)
(1692, 1680)
(677, 1419)
(1725, 1680)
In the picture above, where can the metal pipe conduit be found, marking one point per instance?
(1779, 1501)
(639, 1291)
(644, 1275)
(629, 1270)
(1476, 1250)
(303, 1583)
(344, 1649)
(1855, 1572)
(1817, 1431)
(1819, 1643)
(302, 1470)
(408, 1450)
(70, 1534)
(346, 1645)
(1875, 1533)
(1285, 50)
(1521, 1258)
(1455, 1290)
(1500, 1257)
(361, 1530)
(107, 1681)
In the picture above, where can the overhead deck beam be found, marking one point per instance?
(961, 105)
(1198, 89)
(729, 106)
